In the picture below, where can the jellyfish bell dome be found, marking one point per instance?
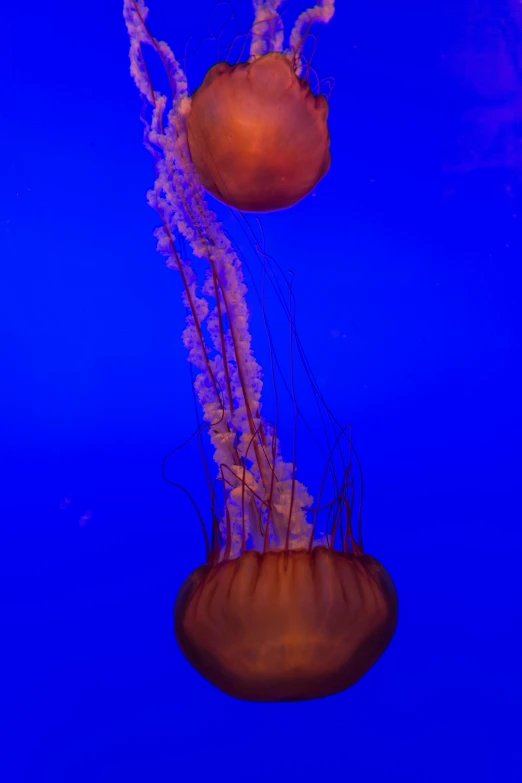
(286, 625)
(257, 135)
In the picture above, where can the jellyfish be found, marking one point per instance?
(285, 607)
(257, 134)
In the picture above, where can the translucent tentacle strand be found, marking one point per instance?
(322, 12)
(267, 28)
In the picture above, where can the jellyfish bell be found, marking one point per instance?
(257, 134)
(286, 625)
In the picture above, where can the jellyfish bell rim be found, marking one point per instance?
(286, 647)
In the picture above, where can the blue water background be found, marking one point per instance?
(407, 290)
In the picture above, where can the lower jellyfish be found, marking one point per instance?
(282, 609)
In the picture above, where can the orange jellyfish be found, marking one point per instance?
(258, 135)
(286, 606)
(286, 625)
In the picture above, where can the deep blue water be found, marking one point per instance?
(406, 268)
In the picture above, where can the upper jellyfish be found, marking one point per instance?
(258, 136)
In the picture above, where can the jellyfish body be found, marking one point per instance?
(258, 136)
(284, 626)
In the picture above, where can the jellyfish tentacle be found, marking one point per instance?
(322, 12)
(230, 378)
(267, 28)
